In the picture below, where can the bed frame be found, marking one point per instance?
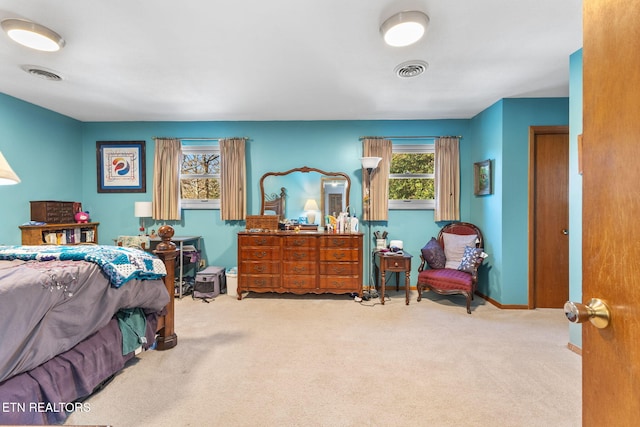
(167, 252)
(274, 202)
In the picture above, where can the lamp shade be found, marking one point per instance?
(311, 205)
(370, 162)
(7, 175)
(32, 35)
(404, 28)
(143, 209)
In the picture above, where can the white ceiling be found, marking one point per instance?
(210, 60)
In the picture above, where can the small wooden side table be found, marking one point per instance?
(389, 261)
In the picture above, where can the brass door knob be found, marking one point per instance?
(596, 311)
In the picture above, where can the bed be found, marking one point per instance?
(72, 316)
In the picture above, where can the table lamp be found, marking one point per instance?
(312, 207)
(143, 210)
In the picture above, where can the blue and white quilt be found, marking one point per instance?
(120, 264)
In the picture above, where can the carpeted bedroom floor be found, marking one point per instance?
(284, 360)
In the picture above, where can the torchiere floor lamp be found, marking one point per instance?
(370, 164)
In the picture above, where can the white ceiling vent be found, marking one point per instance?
(41, 72)
(411, 69)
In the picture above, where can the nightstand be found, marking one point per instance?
(391, 262)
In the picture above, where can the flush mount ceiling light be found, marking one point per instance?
(32, 35)
(404, 28)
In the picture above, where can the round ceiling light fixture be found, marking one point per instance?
(404, 28)
(32, 35)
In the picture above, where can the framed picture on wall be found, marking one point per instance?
(482, 178)
(121, 166)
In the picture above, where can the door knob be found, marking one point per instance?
(596, 311)
(565, 231)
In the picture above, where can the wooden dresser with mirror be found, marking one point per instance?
(300, 262)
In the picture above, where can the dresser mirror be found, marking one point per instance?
(330, 191)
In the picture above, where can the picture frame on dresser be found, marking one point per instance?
(121, 166)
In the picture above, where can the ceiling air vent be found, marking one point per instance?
(411, 69)
(43, 73)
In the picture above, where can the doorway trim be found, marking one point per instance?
(533, 132)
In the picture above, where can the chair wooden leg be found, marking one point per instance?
(469, 297)
(419, 288)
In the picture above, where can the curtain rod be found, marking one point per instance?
(199, 138)
(410, 137)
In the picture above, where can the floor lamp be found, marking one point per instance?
(370, 164)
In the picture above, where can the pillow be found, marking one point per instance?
(433, 253)
(454, 245)
(469, 259)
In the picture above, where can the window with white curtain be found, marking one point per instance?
(200, 177)
(412, 177)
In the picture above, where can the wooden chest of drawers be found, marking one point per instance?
(306, 262)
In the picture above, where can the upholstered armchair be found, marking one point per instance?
(449, 264)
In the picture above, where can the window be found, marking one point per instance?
(412, 177)
(200, 177)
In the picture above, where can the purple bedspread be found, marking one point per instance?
(46, 308)
(46, 394)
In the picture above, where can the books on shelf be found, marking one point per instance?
(70, 236)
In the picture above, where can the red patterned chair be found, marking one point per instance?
(449, 264)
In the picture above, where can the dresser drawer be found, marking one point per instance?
(300, 254)
(340, 242)
(338, 254)
(300, 241)
(340, 283)
(258, 240)
(299, 282)
(253, 267)
(293, 268)
(339, 269)
(266, 281)
(258, 254)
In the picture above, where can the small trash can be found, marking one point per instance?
(232, 281)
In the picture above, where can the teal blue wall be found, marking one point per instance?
(486, 211)
(502, 133)
(575, 191)
(55, 157)
(43, 148)
(273, 146)
(519, 115)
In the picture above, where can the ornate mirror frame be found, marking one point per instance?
(264, 198)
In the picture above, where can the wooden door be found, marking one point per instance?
(549, 217)
(611, 210)
(335, 203)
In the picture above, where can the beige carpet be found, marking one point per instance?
(283, 360)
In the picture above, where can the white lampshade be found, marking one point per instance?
(404, 28)
(370, 162)
(143, 209)
(7, 175)
(311, 205)
(32, 35)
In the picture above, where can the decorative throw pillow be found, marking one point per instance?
(433, 253)
(469, 259)
(454, 245)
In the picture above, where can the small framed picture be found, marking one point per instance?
(482, 178)
(121, 166)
